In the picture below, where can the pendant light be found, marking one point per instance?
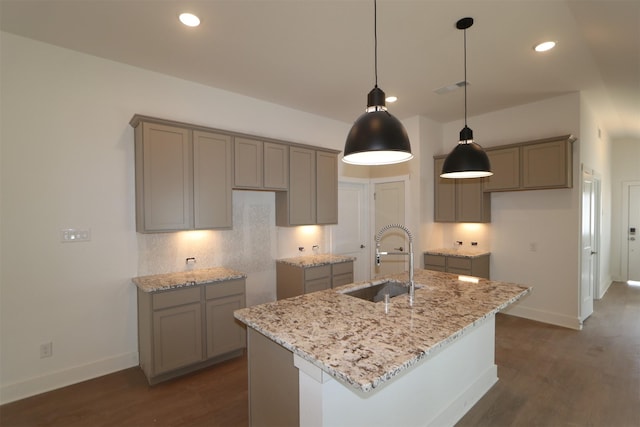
(467, 159)
(376, 137)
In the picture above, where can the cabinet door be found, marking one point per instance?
(177, 337)
(547, 165)
(472, 204)
(505, 164)
(317, 285)
(164, 178)
(248, 163)
(276, 166)
(212, 180)
(444, 195)
(302, 186)
(224, 333)
(327, 188)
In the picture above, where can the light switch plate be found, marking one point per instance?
(68, 235)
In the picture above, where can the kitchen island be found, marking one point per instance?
(328, 358)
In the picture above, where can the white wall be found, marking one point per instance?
(548, 218)
(626, 158)
(68, 162)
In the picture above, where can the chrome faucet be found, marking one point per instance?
(412, 288)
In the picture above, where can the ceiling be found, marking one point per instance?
(318, 55)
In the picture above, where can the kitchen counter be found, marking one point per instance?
(162, 282)
(356, 342)
(316, 260)
(459, 252)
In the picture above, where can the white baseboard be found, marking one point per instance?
(55, 380)
(604, 289)
(544, 316)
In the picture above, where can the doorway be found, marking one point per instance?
(389, 208)
(631, 232)
(351, 235)
(590, 242)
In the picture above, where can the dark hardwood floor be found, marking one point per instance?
(549, 376)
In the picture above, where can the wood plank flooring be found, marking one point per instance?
(549, 376)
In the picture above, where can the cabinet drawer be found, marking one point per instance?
(434, 260)
(435, 268)
(223, 289)
(458, 263)
(459, 271)
(342, 268)
(313, 273)
(317, 285)
(173, 298)
(342, 279)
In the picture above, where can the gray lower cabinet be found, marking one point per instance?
(477, 266)
(185, 329)
(295, 280)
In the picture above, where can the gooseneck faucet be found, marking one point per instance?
(412, 289)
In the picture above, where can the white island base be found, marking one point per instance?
(437, 391)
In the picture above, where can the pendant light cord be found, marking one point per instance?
(465, 77)
(375, 38)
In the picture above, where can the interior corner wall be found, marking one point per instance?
(596, 158)
(68, 162)
(546, 220)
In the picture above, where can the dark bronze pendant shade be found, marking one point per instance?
(467, 159)
(376, 137)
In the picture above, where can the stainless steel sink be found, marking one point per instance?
(377, 292)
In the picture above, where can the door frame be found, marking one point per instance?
(624, 241)
(372, 212)
(368, 238)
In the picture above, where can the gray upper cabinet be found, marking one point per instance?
(212, 180)
(260, 165)
(313, 189)
(298, 205)
(547, 165)
(326, 188)
(164, 178)
(185, 175)
(183, 178)
(276, 166)
(459, 200)
(532, 165)
(505, 165)
(248, 159)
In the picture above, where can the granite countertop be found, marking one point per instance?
(316, 260)
(161, 282)
(459, 252)
(356, 342)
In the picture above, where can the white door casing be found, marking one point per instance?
(389, 202)
(632, 231)
(351, 235)
(587, 233)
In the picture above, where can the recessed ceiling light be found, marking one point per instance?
(544, 46)
(391, 99)
(189, 19)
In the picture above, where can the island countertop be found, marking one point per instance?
(162, 282)
(358, 343)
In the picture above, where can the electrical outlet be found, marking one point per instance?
(46, 350)
(533, 247)
(68, 235)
